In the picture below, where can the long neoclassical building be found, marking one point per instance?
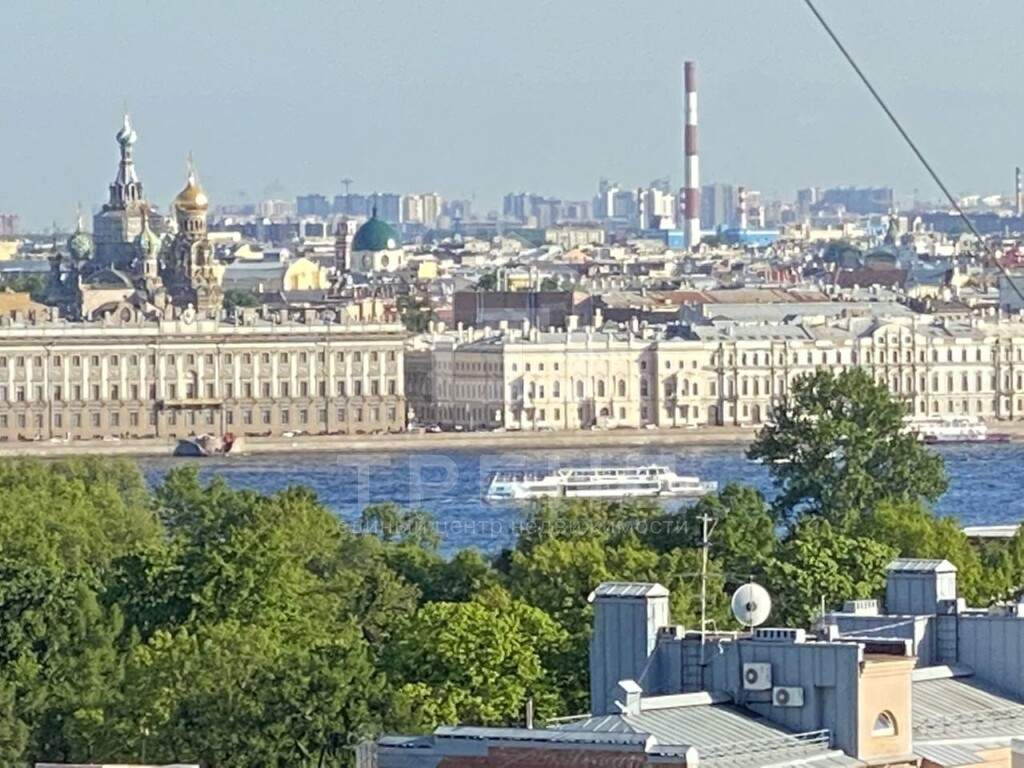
(136, 378)
(718, 373)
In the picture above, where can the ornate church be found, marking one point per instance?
(131, 265)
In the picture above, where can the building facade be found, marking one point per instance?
(714, 374)
(141, 379)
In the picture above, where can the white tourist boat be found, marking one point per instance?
(597, 483)
(954, 429)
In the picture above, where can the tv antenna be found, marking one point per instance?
(346, 182)
(751, 605)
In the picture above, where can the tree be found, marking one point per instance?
(474, 662)
(567, 547)
(225, 693)
(416, 313)
(742, 530)
(235, 298)
(33, 285)
(819, 564)
(550, 284)
(60, 670)
(73, 513)
(837, 446)
(488, 281)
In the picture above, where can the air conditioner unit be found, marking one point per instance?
(757, 676)
(788, 696)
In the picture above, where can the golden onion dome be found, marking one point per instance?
(192, 197)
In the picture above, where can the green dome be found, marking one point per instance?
(148, 242)
(375, 235)
(80, 246)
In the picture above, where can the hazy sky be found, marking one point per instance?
(478, 97)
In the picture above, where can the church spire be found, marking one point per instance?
(126, 189)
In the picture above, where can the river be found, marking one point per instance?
(984, 487)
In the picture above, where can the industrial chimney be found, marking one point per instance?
(691, 192)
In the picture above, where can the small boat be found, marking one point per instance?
(207, 445)
(597, 483)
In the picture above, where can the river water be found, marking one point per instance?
(984, 485)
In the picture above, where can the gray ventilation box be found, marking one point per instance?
(861, 607)
(780, 634)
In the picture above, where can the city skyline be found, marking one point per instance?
(445, 102)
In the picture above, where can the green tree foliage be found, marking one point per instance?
(818, 564)
(34, 285)
(415, 312)
(488, 281)
(72, 514)
(474, 662)
(235, 298)
(567, 547)
(837, 446)
(196, 622)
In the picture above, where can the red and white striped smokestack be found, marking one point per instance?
(691, 191)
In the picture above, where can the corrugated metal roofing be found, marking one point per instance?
(559, 735)
(963, 708)
(955, 755)
(629, 589)
(921, 566)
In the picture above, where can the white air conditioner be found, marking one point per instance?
(788, 696)
(757, 676)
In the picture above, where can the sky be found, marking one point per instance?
(475, 98)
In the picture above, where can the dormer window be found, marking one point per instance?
(885, 725)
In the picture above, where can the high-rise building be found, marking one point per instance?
(387, 205)
(717, 206)
(457, 210)
(312, 205)
(604, 202)
(659, 208)
(515, 205)
(8, 224)
(860, 200)
(807, 199)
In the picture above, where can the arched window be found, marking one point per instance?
(622, 387)
(885, 725)
(600, 387)
(579, 389)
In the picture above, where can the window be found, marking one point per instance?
(885, 725)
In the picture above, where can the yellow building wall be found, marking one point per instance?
(884, 686)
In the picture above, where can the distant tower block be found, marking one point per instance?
(1019, 197)
(742, 204)
(691, 191)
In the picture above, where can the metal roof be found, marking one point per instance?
(911, 565)
(725, 736)
(628, 589)
(956, 708)
(541, 734)
(955, 755)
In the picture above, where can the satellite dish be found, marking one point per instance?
(751, 605)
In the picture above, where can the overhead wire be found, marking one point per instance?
(910, 142)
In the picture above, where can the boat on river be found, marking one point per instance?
(955, 429)
(597, 483)
(208, 445)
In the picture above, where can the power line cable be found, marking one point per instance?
(910, 142)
